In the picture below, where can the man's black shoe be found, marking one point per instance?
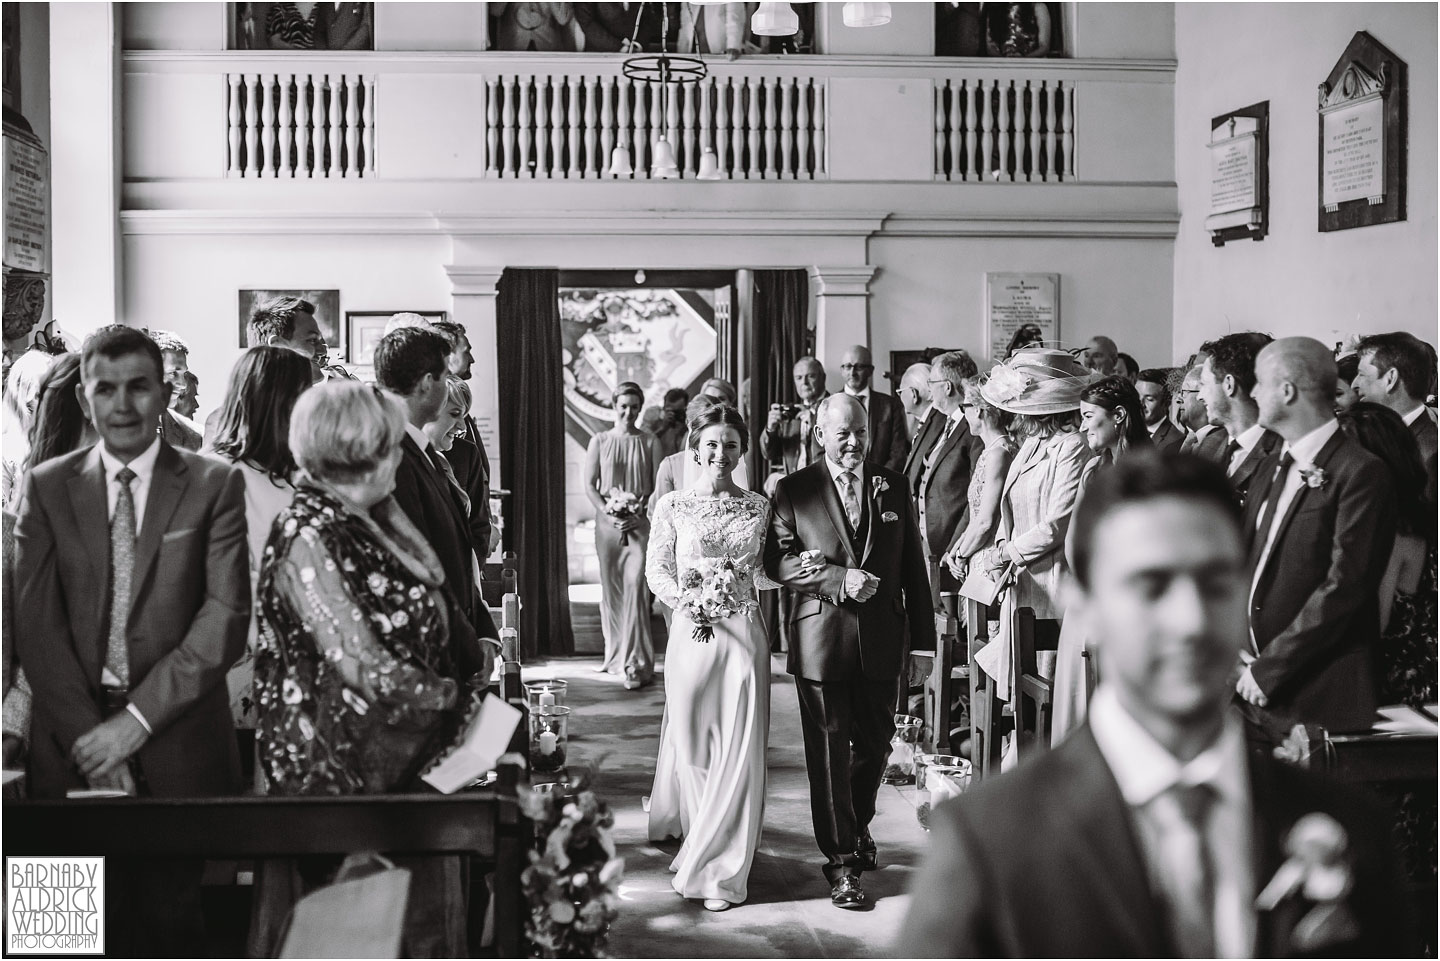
(848, 894)
(865, 851)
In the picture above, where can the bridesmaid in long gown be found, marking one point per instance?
(623, 458)
(710, 774)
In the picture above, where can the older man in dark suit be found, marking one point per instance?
(1396, 371)
(410, 363)
(943, 495)
(926, 423)
(1320, 518)
(1152, 831)
(134, 589)
(843, 536)
(1227, 388)
(889, 439)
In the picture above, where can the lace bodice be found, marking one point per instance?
(690, 527)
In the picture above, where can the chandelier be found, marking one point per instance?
(663, 69)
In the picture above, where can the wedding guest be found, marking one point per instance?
(288, 322)
(1101, 355)
(679, 471)
(175, 426)
(1227, 389)
(713, 28)
(358, 685)
(718, 388)
(1125, 366)
(1025, 336)
(17, 704)
(1042, 389)
(189, 403)
(1396, 371)
(253, 434)
(22, 386)
(1191, 414)
(410, 363)
(925, 422)
(1113, 422)
(622, 461)
(670, 430)
(710, 771)
(942, 497)
(888, 438)
(1150, 832)
(987, 479)
(1346, 370)
(1155, 397)
(467, 454)
(1326, 506)
(144, 711)
(788, 440)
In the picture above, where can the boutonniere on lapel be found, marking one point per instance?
(1313, 477)
(878, 486)
(889, 517)
(1319, 874)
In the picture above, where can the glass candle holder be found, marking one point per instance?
(938, 777)
(543, 697)
(548, 736)
(900, 766)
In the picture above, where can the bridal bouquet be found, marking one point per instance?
(713, 591)
(623, 504)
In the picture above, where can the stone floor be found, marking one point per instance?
(789, 914)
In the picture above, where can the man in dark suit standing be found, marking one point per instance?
(926, 423)
(1155, 399)
(1396, 370)
(467, 455)
(889, 439)
(843, 536)
(134, 586)
(1227, 387)
(943, 496)
(1151, 831)
(1320, 518)
(410, 363)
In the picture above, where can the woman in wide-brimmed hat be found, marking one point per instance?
(1042, 389)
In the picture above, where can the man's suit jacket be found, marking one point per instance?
(1210, 445)
(1168, 438)
(1244, 475)
(783, 446)
(925, 437)
(888, 437)
(833, 640)
(1315, 611)
(472, 471)
(427, 498)
(946, 487)
(189, 616)
(1044, 862)
(1425, 433)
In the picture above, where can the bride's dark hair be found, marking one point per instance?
(719, 415)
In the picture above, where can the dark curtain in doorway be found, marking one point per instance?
(777, 339)
(532, 437)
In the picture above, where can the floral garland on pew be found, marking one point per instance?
(572, 883)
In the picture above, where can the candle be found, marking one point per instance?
(546, 700)
(547, 741)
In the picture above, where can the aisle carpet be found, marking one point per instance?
(789, 914)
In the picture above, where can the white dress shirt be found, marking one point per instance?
(144, 468)
(1304, 451)
(1145, 771)
(1414, 415)
(863, 396)
(1247, 441)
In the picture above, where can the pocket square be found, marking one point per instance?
(176, 535)
(889, 516)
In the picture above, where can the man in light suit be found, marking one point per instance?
(926, 423)
(788, 439)
(859, 596)
(1155, 399)
(1151, 831)
(1320, 517)
(889, 439)
(1227, 388)
(1396, 370)
(943, 494)
(133, 579)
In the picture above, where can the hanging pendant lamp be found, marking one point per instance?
(775, 20)
(866, 14)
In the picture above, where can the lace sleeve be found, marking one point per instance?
(340, 630)
(661, 570)
(762, 580)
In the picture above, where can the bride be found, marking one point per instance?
(704, 563)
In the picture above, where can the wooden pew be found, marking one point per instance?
(985, 707)
(485, 824)
(940, 683)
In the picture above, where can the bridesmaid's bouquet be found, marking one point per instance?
(623, 504)
(712, 591)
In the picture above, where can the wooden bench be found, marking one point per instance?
(487, 825)
(985, 707)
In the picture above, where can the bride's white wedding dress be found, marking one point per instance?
(710, 773)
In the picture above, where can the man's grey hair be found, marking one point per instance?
(956, 366)
(407, 319)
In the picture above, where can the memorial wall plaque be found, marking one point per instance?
(1362, 137)
(1239, 175)
(27, 180)
(1013, 300)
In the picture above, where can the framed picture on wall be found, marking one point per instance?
(327, 311)
(364, 328)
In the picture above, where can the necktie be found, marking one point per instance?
(1190, 869)
(1231, 449)
(448, 472)
(1272, 506)
(949, 427)
(850, 500)
(805, 433)
(122, 570)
